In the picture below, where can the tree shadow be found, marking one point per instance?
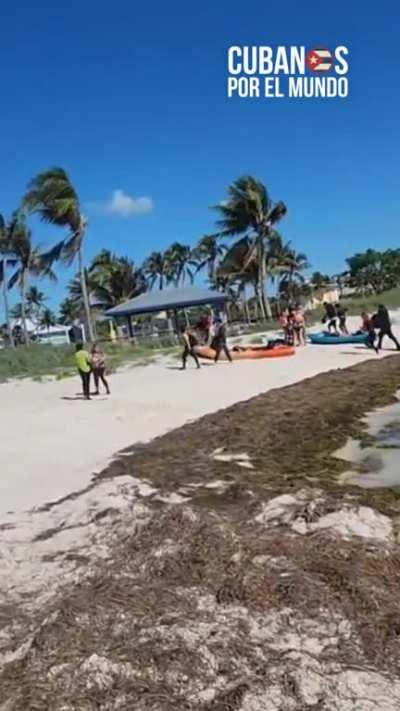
(179, 367)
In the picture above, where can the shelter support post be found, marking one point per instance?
(130, 327)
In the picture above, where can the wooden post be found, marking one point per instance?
(130, 328)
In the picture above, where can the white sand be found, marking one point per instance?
(52, 445)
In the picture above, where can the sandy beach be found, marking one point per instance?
(53, 442)
(214, 549)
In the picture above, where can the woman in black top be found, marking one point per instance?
(330, 317)
(219, 343)
(190, 341)
(382, 321)
(341, 314)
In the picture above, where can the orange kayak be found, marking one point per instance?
(247, 352)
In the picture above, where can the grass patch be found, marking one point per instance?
(40, 361)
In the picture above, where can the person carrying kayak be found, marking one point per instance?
(368, 328)
(330, 318)
(189, 344)
(381, 320)
(341, 312)
(219, 343)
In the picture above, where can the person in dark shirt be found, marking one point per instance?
(189, 344)
(381, 320)
(84, 365)
(341, 314)
(330, 318)
(219, 343)
(367, 327)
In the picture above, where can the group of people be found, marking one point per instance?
(88, 364)
(377, 327)
(335, 314)
(214, 334)
(293, 324)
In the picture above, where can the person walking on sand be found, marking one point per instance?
(189, 345)
(99, 367)
(219, 343)
(341, 312)
(330, 318)
(381, 320)
(83, 362)
(368, 328)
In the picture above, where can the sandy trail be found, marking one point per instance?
(52, 443)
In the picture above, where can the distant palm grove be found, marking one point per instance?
(243, 257)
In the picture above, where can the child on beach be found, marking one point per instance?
(83, 362)
(99, 366)
(189, 344)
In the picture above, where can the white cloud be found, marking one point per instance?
(124, 205)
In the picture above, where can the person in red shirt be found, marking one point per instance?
(98, 360)
(367, 326)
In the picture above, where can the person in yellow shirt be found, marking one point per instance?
(84, 365)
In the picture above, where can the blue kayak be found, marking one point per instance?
(329, 339)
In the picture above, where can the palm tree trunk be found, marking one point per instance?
(266, 302)
(266, 306)
(23, 309)
(259, 303)
(85, 296)
(261, 279)
(6, 307)
(245, 304)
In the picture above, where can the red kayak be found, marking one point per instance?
(247, 352)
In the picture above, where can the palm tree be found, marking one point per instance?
(115, 279)
(238, 268)
(207, 253)
(178, 260)
(35, 300)
(319, 280)
(48, 319)
(250, 211)
(70, 310)
(292, 265)
(52, 196)
(7, 260)
(155, 269)
(31, 262)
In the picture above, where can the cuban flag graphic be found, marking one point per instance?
(319, 60)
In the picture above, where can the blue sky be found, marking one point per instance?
(132, 97)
